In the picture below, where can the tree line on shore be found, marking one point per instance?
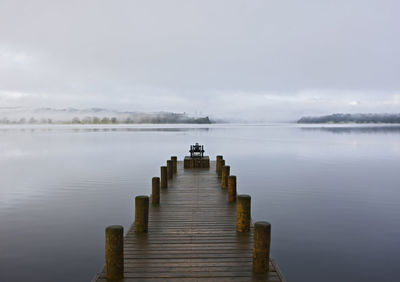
(353, 118)
(108, 120)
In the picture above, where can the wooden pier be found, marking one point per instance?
(191, 235)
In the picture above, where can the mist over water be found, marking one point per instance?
(331, 193)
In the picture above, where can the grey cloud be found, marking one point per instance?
(163, 55)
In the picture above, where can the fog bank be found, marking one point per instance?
(241, 60)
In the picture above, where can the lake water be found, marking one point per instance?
(332, 194)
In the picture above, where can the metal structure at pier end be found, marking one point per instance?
(197, 158)
(191, 228)
(196, 151)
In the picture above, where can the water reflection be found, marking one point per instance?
(356, 129)
(104, 129)
(332, 199)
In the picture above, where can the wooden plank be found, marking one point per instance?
(192, 236)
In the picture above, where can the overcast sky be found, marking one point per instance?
(256, 60)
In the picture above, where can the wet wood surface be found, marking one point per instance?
(192, 236)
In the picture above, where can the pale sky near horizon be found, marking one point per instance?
(248, 60)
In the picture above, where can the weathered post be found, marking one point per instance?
(232, 188)
(243, 213)
(174, 160)
(221, 164)
(164, 180)
(155, 191)
(141, 213)
(225, 175)
(114, 252)
(262, 242)
(170, 170)
(219, 158)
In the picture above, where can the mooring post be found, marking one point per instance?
(219, 158)
(164, 180)
(232, 188)
(261, 250)
(170, 169)
(115, 252)
(243, 213)
(225, 174)
(141, 213)
(221, 164)
(174, 160)
(155, 191)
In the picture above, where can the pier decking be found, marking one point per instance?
(191, 236)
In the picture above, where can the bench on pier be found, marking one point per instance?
(196, 158)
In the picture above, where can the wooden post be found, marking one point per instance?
(243, 213)
(174, 160)
(232, 188)
(225, 175)
(170, 169)
(262, 242)
(219, 158)
(164, 180)
(221, 164)
(141, 213)
(155, 191)
(115, 252)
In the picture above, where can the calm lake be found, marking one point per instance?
(332, 194)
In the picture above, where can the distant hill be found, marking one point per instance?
(93, 116)
(353, 118)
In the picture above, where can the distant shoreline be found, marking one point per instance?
(104, 123)
(95, 116)
(352, 119)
